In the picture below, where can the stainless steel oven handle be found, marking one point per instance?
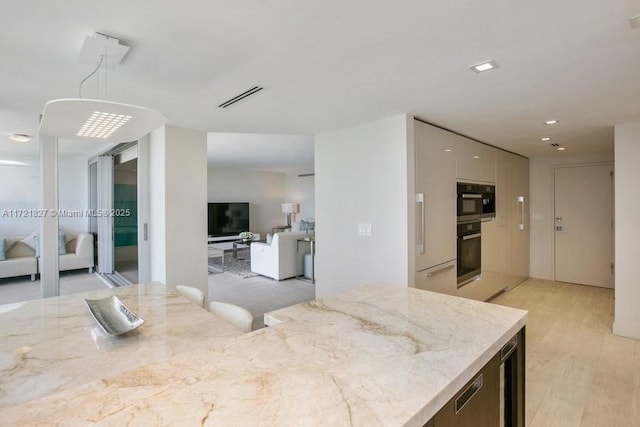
(472, 196)
(472, 236)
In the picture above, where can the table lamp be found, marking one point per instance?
(289, 208)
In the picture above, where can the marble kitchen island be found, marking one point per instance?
(376, 355)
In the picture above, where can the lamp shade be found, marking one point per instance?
(289, 207)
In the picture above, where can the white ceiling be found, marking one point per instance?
(330, 64)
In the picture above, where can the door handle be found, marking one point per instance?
(508, 348)
(468, 394)
(521, 219)
(421, 234)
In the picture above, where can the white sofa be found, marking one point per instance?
(280, 259)
(21, 259)
(79, 253)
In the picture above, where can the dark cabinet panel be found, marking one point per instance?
(494, 396)
(478, 403)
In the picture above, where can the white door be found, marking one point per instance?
(584, 225)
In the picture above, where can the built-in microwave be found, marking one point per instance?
(476, 201)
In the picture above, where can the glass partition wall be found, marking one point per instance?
(57, 234)
(19, 216)
(77, 242)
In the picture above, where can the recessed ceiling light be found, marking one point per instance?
(546, 138)
(635, 22)
(551, 122)
(20, 137)
(560, 148)
(476, 157)
(484, 66)
(448, 150)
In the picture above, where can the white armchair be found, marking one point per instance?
(279, 260)
(79, 253)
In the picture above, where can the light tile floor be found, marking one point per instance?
(578, 372)
(71, 282)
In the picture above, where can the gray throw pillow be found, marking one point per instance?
(62, 246)
(3, 248)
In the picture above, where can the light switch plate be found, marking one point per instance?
(364, 229)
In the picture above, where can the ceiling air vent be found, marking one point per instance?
(555, 144)
(240, 97)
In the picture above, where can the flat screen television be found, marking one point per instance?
(227, 219)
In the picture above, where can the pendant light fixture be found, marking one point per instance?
(97, 119)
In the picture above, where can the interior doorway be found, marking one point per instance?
(583, 224)
(119, 186)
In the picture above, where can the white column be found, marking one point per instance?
(627, 249)
(178, 217)
(144, 249)
(105, 222)
(49, 261)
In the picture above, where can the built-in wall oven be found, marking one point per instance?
(469, 252)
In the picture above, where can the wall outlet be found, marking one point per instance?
(364, 229)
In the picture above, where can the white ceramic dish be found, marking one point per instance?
(113, 316)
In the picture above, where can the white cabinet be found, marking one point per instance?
(520, 218)
(435, 169)
(505, 240)
(475, 161)
(441, 159)
(441, 278)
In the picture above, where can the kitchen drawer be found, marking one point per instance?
(477, 404)
(440, 278)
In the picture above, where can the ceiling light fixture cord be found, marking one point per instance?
(89, 76)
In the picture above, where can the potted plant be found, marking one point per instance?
(246, 236)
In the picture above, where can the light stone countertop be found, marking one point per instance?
(53, 344)
(376, 355)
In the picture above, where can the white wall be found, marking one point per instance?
(301, 190)
(361, 177)
(178, 193)
(20, 189)
(542, 218)
(627, 249)
(265, 191)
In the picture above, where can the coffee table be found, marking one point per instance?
(232, 247)
(239, 244)
(215, 253)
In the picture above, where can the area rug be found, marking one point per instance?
(240, 267)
